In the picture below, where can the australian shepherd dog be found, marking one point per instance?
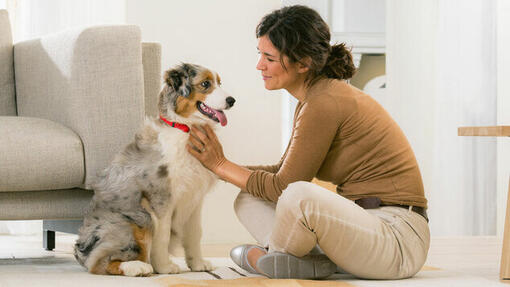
(149, 199)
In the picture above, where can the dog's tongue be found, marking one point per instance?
(221, 117)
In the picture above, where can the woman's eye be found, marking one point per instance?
(270, 60)
(205, 84)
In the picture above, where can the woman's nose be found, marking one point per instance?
(260, 65)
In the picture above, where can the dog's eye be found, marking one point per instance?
(205, 84)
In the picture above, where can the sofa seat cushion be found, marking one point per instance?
(38, 154)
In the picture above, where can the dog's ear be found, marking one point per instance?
(179, 80)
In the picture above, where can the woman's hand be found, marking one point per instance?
(204, 146)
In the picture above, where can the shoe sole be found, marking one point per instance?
(286, 266)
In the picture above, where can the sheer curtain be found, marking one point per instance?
(441, 71)
(35, 18)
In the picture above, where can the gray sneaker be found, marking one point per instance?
(283, 265)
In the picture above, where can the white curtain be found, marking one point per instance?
(441, 71)
(35, 18)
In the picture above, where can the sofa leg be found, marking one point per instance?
(48, 239)
(50, 226)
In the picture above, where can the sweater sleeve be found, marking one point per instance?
(269, 168)
(315, 128)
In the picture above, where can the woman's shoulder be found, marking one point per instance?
(333, 92)
(333, 87)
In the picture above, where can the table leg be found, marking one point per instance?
(504, 272)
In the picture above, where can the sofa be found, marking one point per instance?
(68, 102)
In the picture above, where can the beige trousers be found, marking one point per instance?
(383, 243)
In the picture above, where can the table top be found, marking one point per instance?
(488, 131)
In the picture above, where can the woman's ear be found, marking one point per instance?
(304, 65)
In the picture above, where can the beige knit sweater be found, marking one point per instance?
(343, 136)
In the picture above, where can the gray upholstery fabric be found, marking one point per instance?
(7, 98)
(151, 55)
(90, 80)
(37, 154)
(52, 204)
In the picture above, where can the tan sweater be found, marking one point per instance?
(343, 136)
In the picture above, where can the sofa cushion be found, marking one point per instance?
(38, 154)
(7, 98)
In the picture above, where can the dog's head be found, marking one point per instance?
(194, 92)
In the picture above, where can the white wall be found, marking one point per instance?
(441, 71)
(221, 35)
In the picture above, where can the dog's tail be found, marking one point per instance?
(84, 246)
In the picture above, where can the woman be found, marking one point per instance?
(375, 225)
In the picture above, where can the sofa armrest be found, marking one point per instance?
(151, 58)
(88, 79)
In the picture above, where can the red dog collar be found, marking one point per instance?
(180, 126)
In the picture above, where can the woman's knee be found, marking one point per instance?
(248, 204)
(297, 192)
(242, 197)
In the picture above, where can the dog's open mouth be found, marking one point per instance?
(215, 115)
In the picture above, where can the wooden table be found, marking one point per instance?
(496, 131)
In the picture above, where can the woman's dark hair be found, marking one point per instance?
(299, 32)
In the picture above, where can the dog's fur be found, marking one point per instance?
(148, 201)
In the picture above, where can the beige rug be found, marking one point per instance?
(64, 270)
(235, 276)
(180, 282)
(232, 275)
(462, 261)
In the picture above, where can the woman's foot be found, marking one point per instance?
(283, 265)
(257, 260)
(246, 256)
(253, 256)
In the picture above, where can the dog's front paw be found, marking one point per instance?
(198, 265)
(167, 268)
(135, 268)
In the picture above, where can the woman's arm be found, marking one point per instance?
(234, 174)
(316, 126)
(204, 146)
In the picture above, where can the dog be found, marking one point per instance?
(148, 201)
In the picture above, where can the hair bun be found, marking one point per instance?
(339, 64)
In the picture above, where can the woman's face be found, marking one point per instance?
(274, 75)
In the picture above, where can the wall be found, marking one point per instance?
(221, 35)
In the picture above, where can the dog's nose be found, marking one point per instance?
(230, 101)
